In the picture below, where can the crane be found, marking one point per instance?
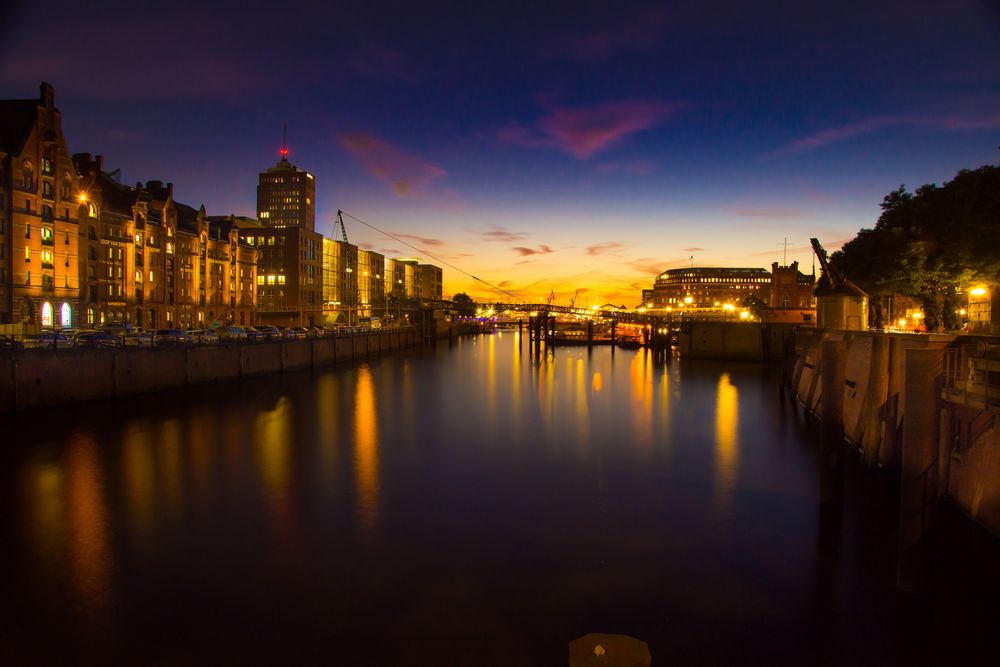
(340, 220)
(838, 281)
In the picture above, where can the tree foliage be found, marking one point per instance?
(464, 304)
(930, 244)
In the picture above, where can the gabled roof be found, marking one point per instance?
(17, 118)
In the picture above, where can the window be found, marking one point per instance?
(47, 189)
(27, 254)
(27, 231)
(46, 314)
(92, 209)
(46, 258)
(138, 276)
(46, 235)
(281, 279)
(150, 276)
(260, 280)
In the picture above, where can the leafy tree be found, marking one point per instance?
(930, 244)
(464, 304)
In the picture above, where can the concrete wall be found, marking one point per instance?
(54, 377)
(747, 341)
(137, 372)
(38, 378)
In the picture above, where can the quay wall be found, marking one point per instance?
(31, 379)
(955, 436)
(740, 341)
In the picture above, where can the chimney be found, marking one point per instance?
(170, 189)
(99, 160)
(47, 95)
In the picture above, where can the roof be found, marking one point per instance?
(17, 118)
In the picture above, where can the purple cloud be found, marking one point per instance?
(420, 239)
(586, 131)
(641, 31)
(408, 175)
(834, 135)
(498, 233)
(542, 250)
(693, 249)
(602, 248)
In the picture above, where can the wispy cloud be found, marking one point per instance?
(585, 131)
(408, 175)
(640, 31)
(384, 64)
(630, 168)
(602, 248)
(420, 239)
(540, 250)
(646, 265)
(833, 135)
(498, 233)
(766, 213)
(693, 249)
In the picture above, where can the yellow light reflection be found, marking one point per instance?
(596, 383)
(366, 449)
(139, 470)
(88, 539)
(641, 381)
(274, 438)
(726, 440)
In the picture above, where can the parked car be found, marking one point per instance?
(138, 338)
(203, 337)
(96, 339)
(48, 339)
(253, 335)
(269, 332)
(301, 332)
(231, 334)
(8, 343)
(162, 337)
(286, 333)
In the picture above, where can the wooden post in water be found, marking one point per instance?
(614, 338)
(918, 486)
(590, 334)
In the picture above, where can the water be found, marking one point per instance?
(465, 506)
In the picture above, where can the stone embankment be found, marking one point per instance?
(31, 379)
(923, 406)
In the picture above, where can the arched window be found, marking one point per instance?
(92, 209)
(66, 316)
(46, 314)
(91, 234)
(91, 315)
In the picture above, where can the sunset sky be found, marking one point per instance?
(539, 146)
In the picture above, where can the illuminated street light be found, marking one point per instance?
(688, 300)
(977, 291)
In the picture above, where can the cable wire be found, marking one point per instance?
(424, 252)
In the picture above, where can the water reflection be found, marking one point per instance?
(726, 440)
(366, 449)
(90, 555)
(273, 430)
(140, 471)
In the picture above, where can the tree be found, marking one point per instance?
(930, 244)
(464, 304)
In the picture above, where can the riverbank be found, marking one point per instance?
(33, 379)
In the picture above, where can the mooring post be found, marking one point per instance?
(614, 338)
(918, 486)
(590, 334)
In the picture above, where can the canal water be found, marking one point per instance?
(473, 505)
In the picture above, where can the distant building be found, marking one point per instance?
(340, 282)
(289, 274)
(286, 196)
(708, 287)
(790, 296)
(39, 213)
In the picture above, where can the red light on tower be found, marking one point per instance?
(283, 152)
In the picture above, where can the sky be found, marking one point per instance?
(574, 149)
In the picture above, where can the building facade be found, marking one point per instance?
(708, 287)
(286, 196)
(39, 213)
(289, 274)
(154, 262)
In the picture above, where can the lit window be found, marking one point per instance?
(27, 254)
(281, 280)
(270, 279)
(138, 276)
(66, 315)
(150, 276)
(170, 248)
(46, 314)
(260, 280)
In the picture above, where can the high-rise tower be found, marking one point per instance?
(286, 196)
